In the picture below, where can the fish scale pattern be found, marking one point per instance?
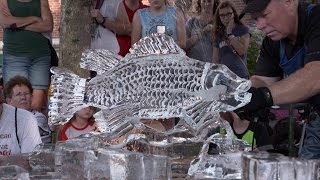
(147, 81)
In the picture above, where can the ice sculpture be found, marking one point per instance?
(265, 166)
(155, 80)
(13, 172)
(224, 166)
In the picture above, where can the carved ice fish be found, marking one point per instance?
(155, 80)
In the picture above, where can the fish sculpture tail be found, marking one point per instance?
(68, 91)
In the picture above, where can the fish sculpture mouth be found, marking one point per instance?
(156, 80)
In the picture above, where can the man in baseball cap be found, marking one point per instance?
(288, 66)
(253, 6)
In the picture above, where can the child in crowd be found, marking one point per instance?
(82, 122)
(159, 18)
(231, 40)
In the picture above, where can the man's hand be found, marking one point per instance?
(261, 98)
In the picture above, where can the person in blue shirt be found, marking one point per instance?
(159, 18)
(231, 40)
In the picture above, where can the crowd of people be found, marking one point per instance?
(286, 70)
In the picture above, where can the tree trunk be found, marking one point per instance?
(74, 34)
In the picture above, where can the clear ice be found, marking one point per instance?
(156, 80)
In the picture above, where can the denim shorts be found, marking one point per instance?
(37, 70)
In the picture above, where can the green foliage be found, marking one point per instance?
(254, 47)
(253, 53)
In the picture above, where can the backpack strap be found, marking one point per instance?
(16, 125)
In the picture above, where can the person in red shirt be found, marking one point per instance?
(81, 123)
(122, 24)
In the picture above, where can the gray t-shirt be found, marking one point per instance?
(202, 50)
(229, 57)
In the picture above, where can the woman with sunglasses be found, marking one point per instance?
(231, 40)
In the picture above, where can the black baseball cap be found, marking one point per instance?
(253, 6)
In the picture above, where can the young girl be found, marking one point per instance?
(231, 40)
(159, 18)
(81, 123)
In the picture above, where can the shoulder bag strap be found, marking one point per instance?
(16, 125)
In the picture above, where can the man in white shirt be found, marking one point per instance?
(18, 93)
(18, 130)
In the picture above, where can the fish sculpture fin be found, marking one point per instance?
(200, 115)
(99, 60)
(67, 95)
(117, 120)
(154, 44)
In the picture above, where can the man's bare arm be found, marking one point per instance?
(262, 81)
(46, 23)
(299, 86)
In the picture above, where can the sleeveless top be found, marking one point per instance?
(152, 23)
(23, 43)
